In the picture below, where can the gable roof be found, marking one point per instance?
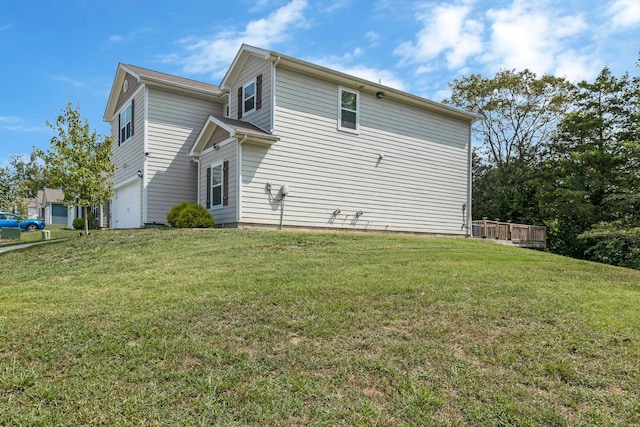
(308, 68)
(52, 195)
(157, 79)
(235, 128)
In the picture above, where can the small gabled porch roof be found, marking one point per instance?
(236, 129)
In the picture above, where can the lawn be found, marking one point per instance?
(237, 327)
(55, 232)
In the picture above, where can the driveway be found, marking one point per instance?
(22, 246)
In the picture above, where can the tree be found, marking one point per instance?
(79, 162)
(20, 179)
(591, 167)
(8, 194)
(520, 112)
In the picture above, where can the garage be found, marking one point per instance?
(127, 205)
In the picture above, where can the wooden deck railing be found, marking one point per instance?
(517, 233)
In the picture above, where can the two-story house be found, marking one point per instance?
(286, 143)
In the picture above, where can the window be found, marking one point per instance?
(125, 120)
(348, 115)
(249, 98)
(216, 186)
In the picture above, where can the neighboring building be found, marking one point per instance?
(100, 215)
(283, 142)
(31, 207)
(51, 208)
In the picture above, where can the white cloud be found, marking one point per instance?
(129, 37)
(372, 36)
(5, 27)
(214, 54)
(447, 29)
(527, 35)
(576, 67)
(375, 75)
(333, 6)
(68, 80)
(624, 13)
(16, 124)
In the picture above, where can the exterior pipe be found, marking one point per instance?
(197, 161)
(239, 179)
(281, 211)
(469, 186)
(273, 93)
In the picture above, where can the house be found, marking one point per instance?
(282, 142)
(31, 207)
(100, 215)
(51, 207)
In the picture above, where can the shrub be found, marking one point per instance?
(186, 215)
(78, 223)
(610, 243)
(174, 212)
(194, 216)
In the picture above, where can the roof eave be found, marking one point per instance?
(371, 87)
(239, 60)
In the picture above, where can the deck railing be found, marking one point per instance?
(517, 233)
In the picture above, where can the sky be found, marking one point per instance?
(54, 52)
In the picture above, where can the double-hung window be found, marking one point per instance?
(249, 97)
(348, 110)
(126, 123)
(216, 185)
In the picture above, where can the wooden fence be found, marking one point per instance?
(519, 234)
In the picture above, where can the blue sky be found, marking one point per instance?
(58, 51)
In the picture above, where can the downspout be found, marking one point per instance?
(197, 161)
(469, 186)
(145, 148)
(273, 93)
(239, 179)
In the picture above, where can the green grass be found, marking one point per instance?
(234, 327)
(56, 232)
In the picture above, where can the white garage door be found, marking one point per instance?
(127, 206)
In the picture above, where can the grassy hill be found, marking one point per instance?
(233, 327)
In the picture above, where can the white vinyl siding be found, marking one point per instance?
(174, 122)
(419, 185)
(128, 158)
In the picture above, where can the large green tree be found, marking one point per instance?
(590, 173)
(79, 162)
(20, 179)
(519, 114)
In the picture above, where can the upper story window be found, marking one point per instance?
(249, 97)
(125, 123)
(349, 110)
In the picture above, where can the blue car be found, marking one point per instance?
(8, 220)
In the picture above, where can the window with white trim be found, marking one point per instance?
(348, 110)
(126, 123)
(249, 97)
(216, 185)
